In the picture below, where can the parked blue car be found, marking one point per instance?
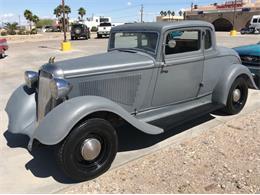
(250, 56)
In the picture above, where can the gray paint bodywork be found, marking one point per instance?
(131, 85)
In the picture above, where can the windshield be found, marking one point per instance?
(146, 41)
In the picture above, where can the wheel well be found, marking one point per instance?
(248, 80)
(114, 119)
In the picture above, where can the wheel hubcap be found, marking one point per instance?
(90, 149)
(236, 95)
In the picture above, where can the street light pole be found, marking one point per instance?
(63, 21)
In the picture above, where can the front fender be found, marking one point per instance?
(59, 122)
(21, 111)
(220, 92)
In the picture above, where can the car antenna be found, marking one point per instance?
(51, 60)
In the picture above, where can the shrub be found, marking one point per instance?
(21, 32)
(11, 32)
(3, 33)
(94, 29)
(34, 31)
(44, 22)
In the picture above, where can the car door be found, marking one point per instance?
(180, 77)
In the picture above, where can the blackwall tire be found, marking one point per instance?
(236, 103)
(70, 153)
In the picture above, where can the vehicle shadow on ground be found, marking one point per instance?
(43, 164)
(101, 38)
(133, 139)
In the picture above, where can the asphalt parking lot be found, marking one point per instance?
(37, 172)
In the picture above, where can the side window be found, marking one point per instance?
(185, 41)
(255, 20)
(207, 40)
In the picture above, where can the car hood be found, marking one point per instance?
(112, 61)
(250, 50)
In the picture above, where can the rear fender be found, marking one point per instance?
(60, 121)
(221, 91)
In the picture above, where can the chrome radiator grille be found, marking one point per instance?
(44, 104)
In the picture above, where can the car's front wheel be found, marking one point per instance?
(237, 96)
(89, 150)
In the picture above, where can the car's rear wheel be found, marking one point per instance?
(89, 150)
(237, 96)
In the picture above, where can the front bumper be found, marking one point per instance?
(21, 111)
(103, 33)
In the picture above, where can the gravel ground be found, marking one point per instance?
(225, 159)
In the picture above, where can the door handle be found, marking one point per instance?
(163, 69)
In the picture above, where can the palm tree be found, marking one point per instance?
(180, 13)
(173, 14)
(35, 19)
(11, 27)
(169, 14)
(28, 16)
(81, 12)
(162, 13)
(67, 11)
(59, 10)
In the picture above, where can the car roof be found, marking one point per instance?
(162, 26)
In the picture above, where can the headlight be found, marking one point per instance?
(60, 88)
(31, 78)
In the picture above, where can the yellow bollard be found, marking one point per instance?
(233, 33)
(65, 46)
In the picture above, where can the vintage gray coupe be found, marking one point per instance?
(152, 73)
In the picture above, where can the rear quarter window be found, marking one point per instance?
(208, 39)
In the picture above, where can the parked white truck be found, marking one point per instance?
(104, 29)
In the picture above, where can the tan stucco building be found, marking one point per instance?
(223, 16)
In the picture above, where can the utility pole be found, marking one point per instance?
(19, 20)
(142, 13)
(234, 14)
(63, 21)
(233, 32)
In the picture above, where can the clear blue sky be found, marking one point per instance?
(119, 10)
